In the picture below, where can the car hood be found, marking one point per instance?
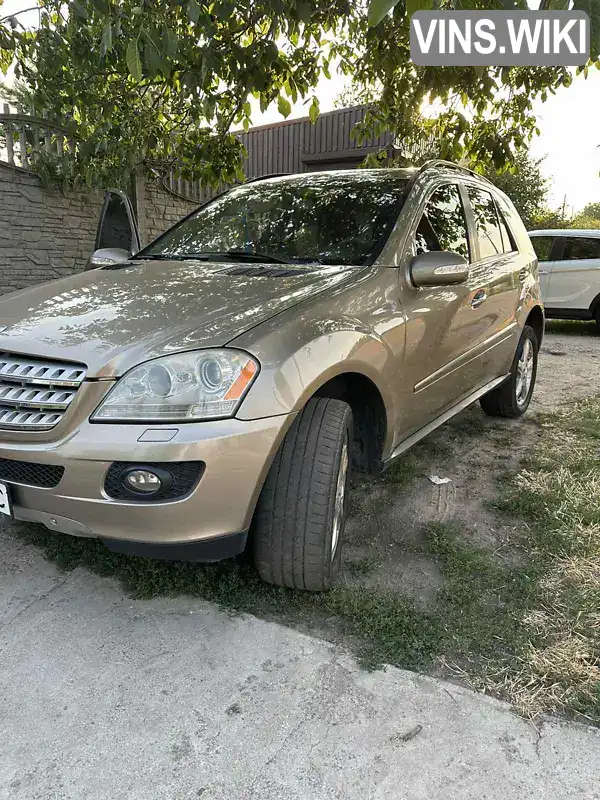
(113, 319)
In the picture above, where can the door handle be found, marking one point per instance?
(479, 298)
(544, 272)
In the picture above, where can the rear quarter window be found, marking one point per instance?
(515, 223)
(489, 233)
(581, 248)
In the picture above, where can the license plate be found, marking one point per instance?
(5, 500)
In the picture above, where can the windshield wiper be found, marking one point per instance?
(254, 255)
(234, 255)
(163, 257)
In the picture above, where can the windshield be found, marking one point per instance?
(335, 218)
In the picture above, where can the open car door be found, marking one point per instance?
(117, 237)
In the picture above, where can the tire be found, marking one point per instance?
(296, 532)
(509, 399)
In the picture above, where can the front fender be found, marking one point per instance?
(300, 355)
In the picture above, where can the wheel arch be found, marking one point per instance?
(537, 321)
(370, 417)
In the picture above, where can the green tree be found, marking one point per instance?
(480, 113)
(591, 210)
(584, 221)
(163, 81)
(551, 220)
(524, 183)
(144, 82)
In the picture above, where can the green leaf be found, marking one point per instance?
(313, 111)
(304, 12)
(592, 7)
(134, 63)
(78, 9)
(479, 70)
(290, 88)
(558, 5)
(417, 5)
(171, 42)
(378, 9)
(284, 106)
(194, 11)
(106, 43)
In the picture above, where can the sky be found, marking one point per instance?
(569, 123)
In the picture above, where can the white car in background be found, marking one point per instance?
(569, 272)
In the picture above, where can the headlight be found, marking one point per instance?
(205, 384)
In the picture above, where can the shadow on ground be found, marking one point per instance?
(400, 568)
(438, 577)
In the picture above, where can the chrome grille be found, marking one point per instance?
(35, 393)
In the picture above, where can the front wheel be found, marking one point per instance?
(512, 398)
(299, 520)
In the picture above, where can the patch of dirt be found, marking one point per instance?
(385, 535)
(569, 366)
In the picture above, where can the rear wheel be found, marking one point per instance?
(512, 398)
(299, 521)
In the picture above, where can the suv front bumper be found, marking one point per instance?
(209, 523)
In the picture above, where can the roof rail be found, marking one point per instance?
(440, 162)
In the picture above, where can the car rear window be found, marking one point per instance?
(489, 232)
(581, 247)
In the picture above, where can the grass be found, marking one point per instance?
(572, 327)
(481, 601)
(528, 632)
(558, 494)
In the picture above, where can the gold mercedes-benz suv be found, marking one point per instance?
(217, 388)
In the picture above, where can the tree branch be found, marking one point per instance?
(22, 11)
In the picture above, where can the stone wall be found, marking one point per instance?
(162, 209)
(45, 234)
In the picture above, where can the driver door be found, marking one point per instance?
(117, 236)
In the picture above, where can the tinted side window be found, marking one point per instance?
(486, 222)
(508, 240)
(115, 230)
(542, 246)
(578, 247)
(443, 225)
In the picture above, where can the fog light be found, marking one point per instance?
(143, 481)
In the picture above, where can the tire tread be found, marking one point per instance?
(291, 536)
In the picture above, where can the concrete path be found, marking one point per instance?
(105, 698)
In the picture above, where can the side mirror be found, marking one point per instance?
(438, 268)
(107, 256)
